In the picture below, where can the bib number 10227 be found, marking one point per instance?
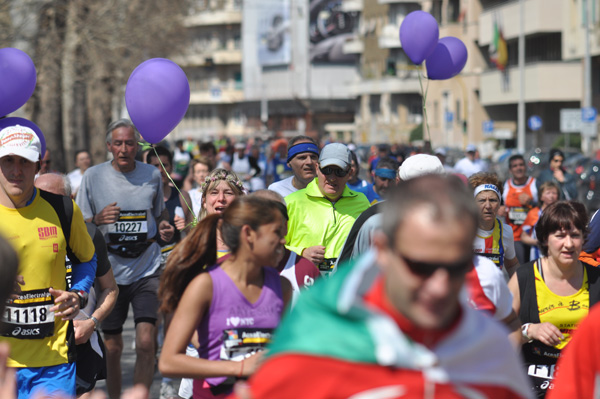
(130, 227)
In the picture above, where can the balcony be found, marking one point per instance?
(388, 84)
(353, 46)
(541, 84)
(540, 16)
(219, 93)
(215, 17)
(390, 37)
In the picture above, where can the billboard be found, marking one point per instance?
(274, 40)
(329, 28)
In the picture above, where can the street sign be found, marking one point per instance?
(588, 114)
(588, 129)
(534, 122)
(488, 127)
(570, 120)
(449, 116)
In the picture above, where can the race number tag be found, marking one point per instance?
(240, 343)
(517, 215)
(29, 316)
(131, 227)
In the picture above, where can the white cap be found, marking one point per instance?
(420, 165)
(20, 141)
(471, 148)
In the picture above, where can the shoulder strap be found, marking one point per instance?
(593, 274)
(526, 277)
(63, 206)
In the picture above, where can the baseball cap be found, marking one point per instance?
(471, 148)
(420, 165)
(335, 154)
(21, 141)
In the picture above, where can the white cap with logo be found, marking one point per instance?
(20, 141)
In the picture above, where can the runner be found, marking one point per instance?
(124, 198)
(549, 193)
(199, 169)
(233, 306)
(37, 324)
(303, 154)
(554, 293)
(494, 238)
(520, 195)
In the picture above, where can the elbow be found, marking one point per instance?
(166, 367)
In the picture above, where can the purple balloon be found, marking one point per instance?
(17, 79)
(419, 33)
(447, 60)
(12, 121)
(157, 96)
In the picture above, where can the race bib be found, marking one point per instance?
(240, 343)
(29, 316)
(517, 215)
(131, 227)
(326, 266)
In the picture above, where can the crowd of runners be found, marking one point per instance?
(284, 270)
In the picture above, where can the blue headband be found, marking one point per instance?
(385, 173)
(302, 147)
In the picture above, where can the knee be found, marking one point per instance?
(144, 344)
(114, 347)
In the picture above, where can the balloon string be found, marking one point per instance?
(195, 219)
(424, 95)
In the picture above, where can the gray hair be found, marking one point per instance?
(447, 197)
(123, 122)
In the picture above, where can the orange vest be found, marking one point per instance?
(515, 212)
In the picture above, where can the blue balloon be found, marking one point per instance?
(447, 60)
(419, 33)
(17, 79)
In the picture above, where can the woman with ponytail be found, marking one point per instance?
(233, 306)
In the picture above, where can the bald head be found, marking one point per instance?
(54, 183)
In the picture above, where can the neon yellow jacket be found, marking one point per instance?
(314, 220)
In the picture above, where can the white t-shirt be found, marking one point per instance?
(196, 197)
(75, 179)
(284, 187)
(467, 167)
(494, 286)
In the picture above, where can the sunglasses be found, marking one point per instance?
(427, 269)
(328, 170)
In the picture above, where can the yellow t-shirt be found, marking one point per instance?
(565, 312)
(36, 234)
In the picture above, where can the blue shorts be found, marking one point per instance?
(54, 381)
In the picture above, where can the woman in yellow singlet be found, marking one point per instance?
(552, 294)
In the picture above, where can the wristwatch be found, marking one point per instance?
(96, 322)
(524, 330)
(83, 298)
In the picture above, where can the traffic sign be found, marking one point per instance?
(449, 116)
(534, 122)
(588, 114)
(488, 127)
(570, 120)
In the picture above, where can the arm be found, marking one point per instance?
(83, 275)
(185, 200)
(513, 324)
(511, 265)
(286, 290)
(526, 238)
(109, 291)
(165, 229)
(108, 215)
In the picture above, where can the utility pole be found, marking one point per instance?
(586, 139)
(521, 104)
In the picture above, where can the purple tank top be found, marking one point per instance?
(234, 327)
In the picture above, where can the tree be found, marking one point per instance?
(84, 51)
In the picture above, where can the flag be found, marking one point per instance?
(498, 50)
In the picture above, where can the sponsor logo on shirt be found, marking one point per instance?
(240, 321)
(46, 233)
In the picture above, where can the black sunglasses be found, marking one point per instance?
(328, 170)
(427, 269)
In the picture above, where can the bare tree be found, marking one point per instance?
(84, 51)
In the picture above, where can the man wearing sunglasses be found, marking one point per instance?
(322, 214)
(391, 324)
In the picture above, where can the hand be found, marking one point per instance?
(179, 223)
(108, 215)
(166, 231)
(501, 211)
(8, 376)
(241, 390)
(83, 330)
(559, 175)
(66, 304)
(17, 290)
(546, 333)
(525, 199)
(252, 363)
(315, 254)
